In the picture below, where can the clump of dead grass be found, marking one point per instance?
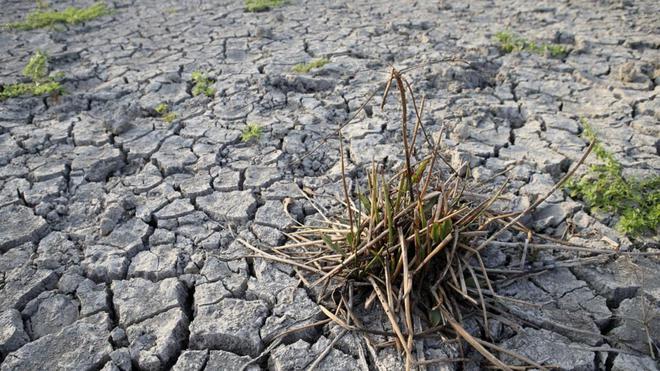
(412, 243)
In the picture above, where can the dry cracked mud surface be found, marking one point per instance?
(118, 230)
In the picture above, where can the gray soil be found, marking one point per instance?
(118, 230)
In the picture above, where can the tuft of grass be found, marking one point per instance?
(509, 43)
(41, 83)
(202, 85)
(411, 244)
(306, 67)
(47, 18)
(603, 187)
(252, 131)
(262, 5)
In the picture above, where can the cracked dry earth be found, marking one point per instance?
(118, 230)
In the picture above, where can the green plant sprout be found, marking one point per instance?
(202, 85)
(262, 5)
(47, 18)
(37, 67)
(169, 117)
(41, 4)
(509, 43)
(41, 83)
(163, 109)
(252, 131)
(603, 187)
(306, 67)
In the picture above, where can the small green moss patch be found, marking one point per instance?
(43, 17)
(509, 43)
(306, 67)
(262, 5)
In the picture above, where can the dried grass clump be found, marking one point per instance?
(412, 243)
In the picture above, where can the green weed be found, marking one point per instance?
(47, 18)
(636, 201)
(251, 131)
(306, 67)
(41, 83)
(262, 5)
(169, 117)
(163, 110)
(509, 43)
(23, 89)
(202, 85)
(37, 67)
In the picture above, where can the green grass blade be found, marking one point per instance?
(333, 246)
